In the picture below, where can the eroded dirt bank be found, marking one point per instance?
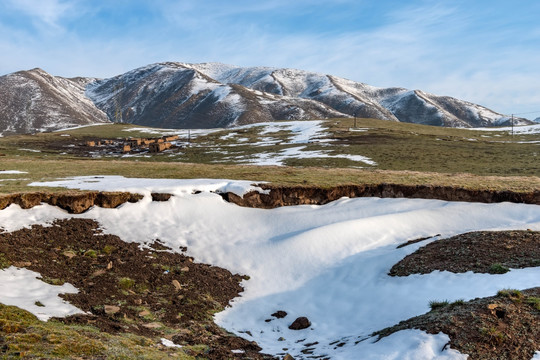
(72, 202)
(311, 195)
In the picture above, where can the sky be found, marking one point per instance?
(486, 52)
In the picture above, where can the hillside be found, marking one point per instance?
(34, 101)
(212, 95)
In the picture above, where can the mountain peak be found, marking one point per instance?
(182, 95)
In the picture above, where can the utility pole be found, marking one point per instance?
(355, 119)
(512, 125)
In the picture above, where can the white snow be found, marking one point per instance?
(526, 129)
(70, 127)
(146, 186)
(278, 158)
(22, 288)
(328, 263)
(169, 343)
(12, 172)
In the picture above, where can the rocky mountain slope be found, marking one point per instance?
(173, 95)
(178, 95)
(352, 98)
(34, 101)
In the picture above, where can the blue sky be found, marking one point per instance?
(486, 52)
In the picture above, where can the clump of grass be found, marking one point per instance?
(39, 303)
(495, 336)
(512, 294)
(4, 263)
(456, 303)
(126, 283)
(498, 269)
(434, 304)
(91, 253)
(52, 281)
(534, 302)
(108, 249)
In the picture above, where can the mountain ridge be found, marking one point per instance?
(208, 95)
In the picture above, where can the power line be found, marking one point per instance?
(526, 113)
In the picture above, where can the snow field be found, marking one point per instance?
(328, 263)
(22, 288)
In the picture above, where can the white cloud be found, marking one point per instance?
(48, 12)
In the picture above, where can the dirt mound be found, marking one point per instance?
(151, 291)
(312, 195)
(503, 327)
(480, 251)
(72, 202)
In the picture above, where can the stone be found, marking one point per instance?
(177, 285)
(152, 325)
(280, 314)
(300, 323)
(69, 254)
(111, 309)
(144, 313)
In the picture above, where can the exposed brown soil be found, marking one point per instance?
(503, 327)
(126, 288)
(480, 251)
(313, 195)
(74, 202)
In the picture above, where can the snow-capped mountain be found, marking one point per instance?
(175, 95)
(179, 95)
(34, 101)
(350, 98)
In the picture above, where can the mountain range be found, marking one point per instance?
(208, 95)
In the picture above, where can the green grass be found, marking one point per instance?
(24, 336)
(498, 269)
(534, 302)
(4, 263)
(405, 154)
(434, 304)
(513, 294)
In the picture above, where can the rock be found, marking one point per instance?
(111, 309)
(177, 285)
(184, 269)
(300, 323)
(153, 325)
(70, 254)
(280, 314)
(288, 357)
(160, 196)
(98, 273)
(109, 265)
(22, 264)
(144, 313)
